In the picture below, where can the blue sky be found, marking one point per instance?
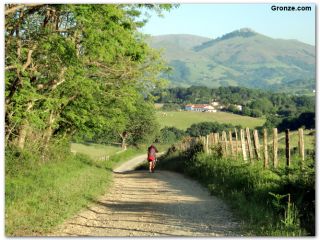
(214, 20)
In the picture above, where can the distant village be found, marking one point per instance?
(211, 107)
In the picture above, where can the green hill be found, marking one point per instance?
(240, 58)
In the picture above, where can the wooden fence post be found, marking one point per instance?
(256, 143)
(213, 139)
(224, 139)
(288, 157)
(207, 143)
(249, 144)
(203, 140)
(243, 145)
(301, 145)
(275, 147)
(237, 144)
(231, 143)
(265, 145)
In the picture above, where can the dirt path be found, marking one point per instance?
(158, 204)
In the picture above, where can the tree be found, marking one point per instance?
(170, 135)
(305, 120)
(264, 105)
(66, 65)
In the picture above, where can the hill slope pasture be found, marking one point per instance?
(185, 119)
(239, 58)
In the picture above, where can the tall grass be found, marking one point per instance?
(259, 197)
(40, 195)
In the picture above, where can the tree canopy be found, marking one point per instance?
(78, 70)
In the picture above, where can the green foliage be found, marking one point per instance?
(39, 195)
(78, 70)
(205, 128)
(258, 196)
(305, 120)
(170, 135)
(255, 102)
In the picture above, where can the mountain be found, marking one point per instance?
(239, 58)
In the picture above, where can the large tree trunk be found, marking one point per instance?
(123, 144)
(23, 131)
(24, 128)
(124, 135)
(48, 132)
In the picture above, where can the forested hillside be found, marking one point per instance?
(240, 58)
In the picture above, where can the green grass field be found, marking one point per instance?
(94, 151)
(184, 119)
(309, 139)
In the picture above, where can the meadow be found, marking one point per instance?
(184, 119)
(95, 151)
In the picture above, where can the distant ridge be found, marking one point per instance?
(242, 57)
(243, 32)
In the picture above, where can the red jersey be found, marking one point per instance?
(152, 153)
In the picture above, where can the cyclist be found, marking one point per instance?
(152, 150)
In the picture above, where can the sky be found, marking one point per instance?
(214, 20)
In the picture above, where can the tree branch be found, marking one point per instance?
(29, 58)
(61, 79)
(19, 6)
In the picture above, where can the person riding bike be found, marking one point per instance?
(152, 150)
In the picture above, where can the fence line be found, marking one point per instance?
(243, 149)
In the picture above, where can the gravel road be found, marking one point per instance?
(152, 204)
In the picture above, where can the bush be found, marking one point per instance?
(170, 135)
(204, 128)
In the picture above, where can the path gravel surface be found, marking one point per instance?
(152, 204)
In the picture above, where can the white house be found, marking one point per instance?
(239, 107)
(214, 103)
(200, 108)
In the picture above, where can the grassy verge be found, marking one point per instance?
(40, 195)
(259, 197)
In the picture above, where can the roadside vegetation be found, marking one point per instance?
(40, 195)
(269, 202)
